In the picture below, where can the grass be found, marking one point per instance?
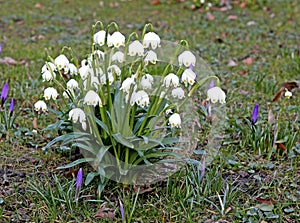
(247, 181)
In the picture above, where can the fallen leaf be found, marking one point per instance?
(278, 95)
(34, 123)
(8, 61)
(243, 72)
(266, 200)
(155, 2)
(232, 17)
(231, 63)
(281, 146)
(243, 5)
(251, 23)
(104, 213)
(248, 61)
(210, 16)
(114, 4)
(39, 6)
(290, 85)
(271, 117)
(37, 37)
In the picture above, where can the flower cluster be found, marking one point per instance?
(123, 91)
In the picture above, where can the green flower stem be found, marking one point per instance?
(134, 34)
(148, 25)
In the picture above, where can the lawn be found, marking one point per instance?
(253, 47)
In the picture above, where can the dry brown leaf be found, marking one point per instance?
(34, 123)
(114, 4)
(251, 23)
(105, 213)
(271, 117)
(39, 6)
(281, 146)
(248, 61)
(8, 61)
(210, 16)
(155, 2)
(266, 200)
(232, 17)
(290, 85)
(231, 63)
(243, 5)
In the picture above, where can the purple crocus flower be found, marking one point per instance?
(0, 48)
(12, 105)
(211, 84)
(78, 184)
(122, 210)
(255, 114)
(4, 93)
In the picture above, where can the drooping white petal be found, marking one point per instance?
(188, 77)
(216, 94)
(175, 120)
(118, 56)
(73, 69)
(117, 39)
(114, 69)
(72, 84)
(140, 98)
(171, 79)
(99, 37)
(92, 98)
(126, 84)
(178, 93)
(40, 105)
(49, 93)
(150, 56)
(186, 58)
(151, 39)
(62, 63)
(136, 48)
(47, 76)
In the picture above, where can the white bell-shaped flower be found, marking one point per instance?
(150, 56)
(288, 94)
(175, 120)
(78, 114)
(187, 58)
(216, 94)
(147, 81)
(62, 63)
(117, 39)
(126, 84)
(72, 84)
(48, 66)
(99, 37)
(73, 69)
(118, 56)
(40, 105)
(136, 48)
(84, 71)
(114, 69)
(47, 76)
(151, 39)
(49, 93)
(171, 79)
(103, 79)
(178, 93)
(92, 98)
(141, 98)
(188, 77)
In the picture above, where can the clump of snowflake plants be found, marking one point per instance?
(131, 104)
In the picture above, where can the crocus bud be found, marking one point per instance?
(78, 184)
(4, 93)
(255, 114)
(12, 105)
